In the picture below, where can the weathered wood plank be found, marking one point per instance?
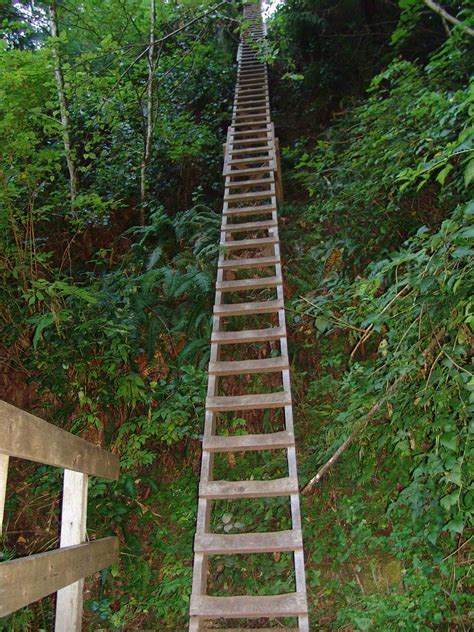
(4, 459)
(243, 543)
(249, 442)
(28, 579)
(226, 403)
(27, 437)
(256, 307)
(73, 531)
(243, 285)
(243, 367)
(244, 264)
(248, 489)
(246, 336)
(288, 605)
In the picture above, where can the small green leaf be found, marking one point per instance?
(469, 173)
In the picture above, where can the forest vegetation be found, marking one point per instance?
(113, 115)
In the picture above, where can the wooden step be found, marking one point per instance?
(250, 442)
(252, 195)
(241, 309)
(252, 74)
(243, 244)
(250, 112)
(245, 367)
(249, 182)
(236, 137)
(227, 490)
(250, 210)
(257, 84)
(289, 605)
(254, 630)
(248, 335)
(224, 403)
(253, 142)
(254, 160)
(251, 98)
(250, 82)
(251, 102)
(250, 126)
(252, 108)
(255, 88)
(253, 125)
(242, 285)
(251, 262)
(250, 117)
(244, 543)
(254, 65)
(249, 170)
(251, 150)
(266, 160)
(261, 225)
(249, 120)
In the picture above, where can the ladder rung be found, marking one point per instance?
(252, 150)
(249, 182)
(248, 489)
(253, 195)
(252, 125)
(278, 541)
(240, 309)
(244, 367)
(248, 335)
(266, 160)
(244, 443)
(243, 172)
(225, 403)
(240, 244)
(257, 630)
(243, 285)
(256, 108)
(254, 262)
(251, 210)
(253, 142)
(292, 604)
(262, 225)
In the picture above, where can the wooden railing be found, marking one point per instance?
(27, 579)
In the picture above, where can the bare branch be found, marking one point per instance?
(358, 429)
(447, 17)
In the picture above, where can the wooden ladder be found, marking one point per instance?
(252, 187)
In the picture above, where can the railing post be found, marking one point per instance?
(73, 531)
(3, 485)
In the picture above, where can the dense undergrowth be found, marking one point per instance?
(380, 262)
(105, 323)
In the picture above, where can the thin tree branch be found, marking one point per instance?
(434, 6)
(63, 105)
(372, 412)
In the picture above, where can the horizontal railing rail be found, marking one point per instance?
(30, 578)
(25, 436)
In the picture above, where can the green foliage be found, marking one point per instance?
(384, 267)
(105, 325)
(387, 157)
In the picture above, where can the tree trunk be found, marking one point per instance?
(63, 105)
(149, 123)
